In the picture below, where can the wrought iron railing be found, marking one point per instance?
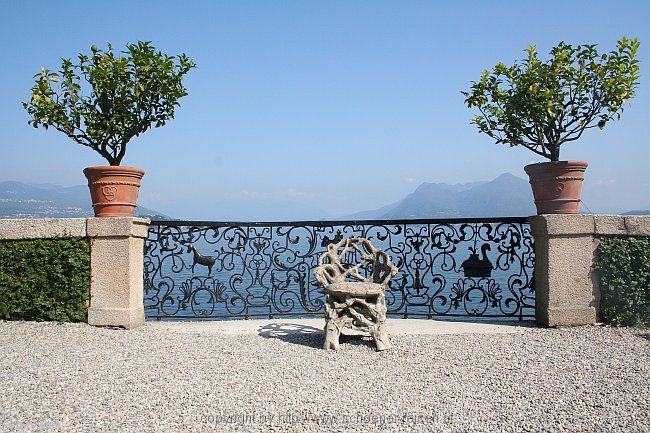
(453, 267)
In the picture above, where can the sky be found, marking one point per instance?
(302, 109)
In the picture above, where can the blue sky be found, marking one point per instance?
(302, 109)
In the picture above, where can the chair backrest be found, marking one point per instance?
(332, 270)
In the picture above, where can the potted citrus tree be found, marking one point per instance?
(104, 100)
(542, 105)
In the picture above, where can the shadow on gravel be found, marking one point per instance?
(309, 336)
(293, 333)
(644, 335)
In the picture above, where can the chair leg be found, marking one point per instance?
(332, 325)
(380, 334)
(332, 334)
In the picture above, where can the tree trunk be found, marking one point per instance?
(555, 153)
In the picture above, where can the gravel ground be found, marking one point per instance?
(79, 378)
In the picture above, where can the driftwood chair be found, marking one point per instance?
(352, 300)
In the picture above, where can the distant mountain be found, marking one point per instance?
(507, 195)
(637, 212)
(372, 214)
(21, 200)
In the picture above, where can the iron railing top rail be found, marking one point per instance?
(333, 223)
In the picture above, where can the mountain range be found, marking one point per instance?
(507, 195)
(21, 200)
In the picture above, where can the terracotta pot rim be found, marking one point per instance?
(115, 170)
(558, 163)
(550, 169)
(113, 167)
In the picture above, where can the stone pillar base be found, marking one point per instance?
(568, 316)
(127, 318)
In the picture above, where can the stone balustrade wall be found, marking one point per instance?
(116, 246)
(567, 287)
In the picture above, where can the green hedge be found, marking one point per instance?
(624, 266)
(44, 279)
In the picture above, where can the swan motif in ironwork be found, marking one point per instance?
(478, 267)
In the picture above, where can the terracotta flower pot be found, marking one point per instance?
(557, 185)
(113, 189)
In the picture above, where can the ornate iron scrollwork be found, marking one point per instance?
(225, 270)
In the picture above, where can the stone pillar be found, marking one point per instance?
(567, 287)
(116, 268)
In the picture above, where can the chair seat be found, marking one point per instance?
(356, 289)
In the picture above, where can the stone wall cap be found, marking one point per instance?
(42, 228)
(117, 227)
(562, 224)
(622, 225)
(590, 224)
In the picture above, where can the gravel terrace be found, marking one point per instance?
(75, 377)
